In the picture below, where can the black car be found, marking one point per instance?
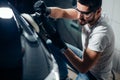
(23, 55)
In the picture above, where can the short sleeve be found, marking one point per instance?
(98, 42)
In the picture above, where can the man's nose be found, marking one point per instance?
(81, 16)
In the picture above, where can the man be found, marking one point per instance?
(97, 40)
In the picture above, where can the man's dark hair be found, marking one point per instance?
(92, 4)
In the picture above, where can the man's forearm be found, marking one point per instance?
(57, 12)
(75, 60)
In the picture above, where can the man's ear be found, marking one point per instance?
(98, 11)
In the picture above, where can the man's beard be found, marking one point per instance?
(82, 21)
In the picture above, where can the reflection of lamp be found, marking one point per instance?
(6, 13)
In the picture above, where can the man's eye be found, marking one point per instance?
(86, 13)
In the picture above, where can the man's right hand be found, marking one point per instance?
(57, 41)
(41, 7)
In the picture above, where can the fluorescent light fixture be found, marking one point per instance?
(6, 13)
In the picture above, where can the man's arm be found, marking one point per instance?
(57, 12)
(89, 59)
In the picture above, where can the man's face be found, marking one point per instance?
(85, 16)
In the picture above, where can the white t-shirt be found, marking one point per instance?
(100, 37)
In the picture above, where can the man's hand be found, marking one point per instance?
(52, 34)
(41, 7)
(57, 41)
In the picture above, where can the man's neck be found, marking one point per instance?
(94, 22)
